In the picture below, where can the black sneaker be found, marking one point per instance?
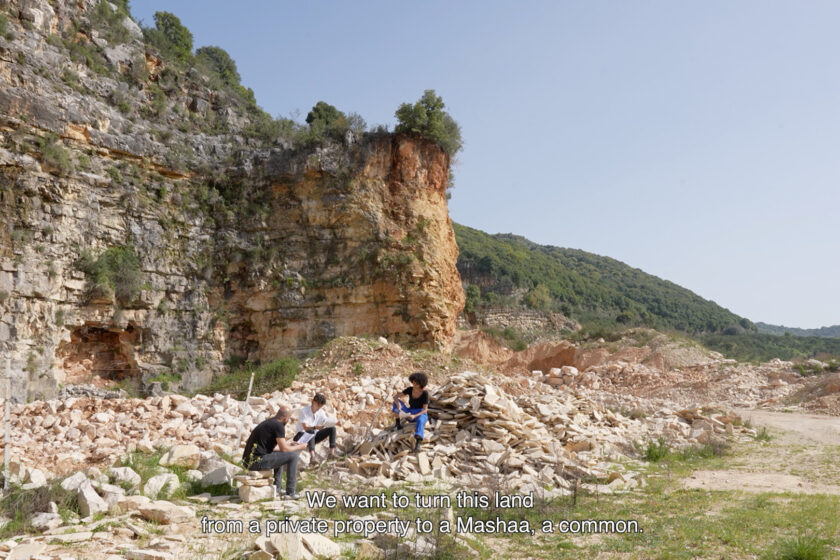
(417, 445)
(397, 425)
(293, 496)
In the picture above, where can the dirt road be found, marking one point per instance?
(795, 426)
(801, 457)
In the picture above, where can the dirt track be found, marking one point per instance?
(820, 429)
(803, 443)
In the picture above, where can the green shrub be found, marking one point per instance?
(326, 120)
(656, 450)
(144, 464)
(272, 376)
(108, 22)
(165, 379)
(54, 154)
(218, 63)
(763, 434)
(473, 298)
(538, 297)
(116, 272)
(799, 548)
(82, 53)
(170, 36)
(428, 119)
(4, 26)
(119, 100)
(20, 505)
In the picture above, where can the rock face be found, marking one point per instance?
(245, 247)
(364, 244)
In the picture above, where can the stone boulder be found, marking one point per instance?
(126, 475)
(130, 503)
(320, 546)
(90, 503)
(73, 481)
(45, 521)
(166, 513)
(182, 456)
(256, 493)
(161, 485)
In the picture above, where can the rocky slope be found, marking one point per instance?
(150, 226)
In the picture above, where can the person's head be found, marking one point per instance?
(318, 401)
(419, 378)
(283, 414)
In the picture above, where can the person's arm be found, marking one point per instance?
(398, 396)
(425, 407)
(284, 445)
(424, 411)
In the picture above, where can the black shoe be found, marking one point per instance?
(417, 445)
(397, 425)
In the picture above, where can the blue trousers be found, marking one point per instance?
(420, 420)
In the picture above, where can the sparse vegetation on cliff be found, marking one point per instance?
(4, 26)
(114, 273)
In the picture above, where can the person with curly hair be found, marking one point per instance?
(417, 408)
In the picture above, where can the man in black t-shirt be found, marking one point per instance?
(259, 452)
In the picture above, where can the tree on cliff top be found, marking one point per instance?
(170, 35)
(218, 61)
(323, 114)
(428, 119)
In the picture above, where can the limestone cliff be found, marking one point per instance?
(243, 248)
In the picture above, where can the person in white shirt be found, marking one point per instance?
(312, 420)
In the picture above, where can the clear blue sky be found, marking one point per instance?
(695, 141)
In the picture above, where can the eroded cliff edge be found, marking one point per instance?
(243, 250)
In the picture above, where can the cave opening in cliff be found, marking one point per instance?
(97, 354)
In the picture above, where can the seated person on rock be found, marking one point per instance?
(260, 455)
(418, 406)
(313, 420)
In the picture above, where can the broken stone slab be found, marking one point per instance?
(193, 475)
(182, 456)
(45, 521)
(250, 494)
(167, 513)
(148, 554)
(130, 503)
(369, 551)
(111, 494)
(125, 475)
(221, 475)
(90, 503)
(26, 551)
(36, 477)
(287, 546)
(72, 537)
(320, 546)
(161, 485)
(73, 481)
